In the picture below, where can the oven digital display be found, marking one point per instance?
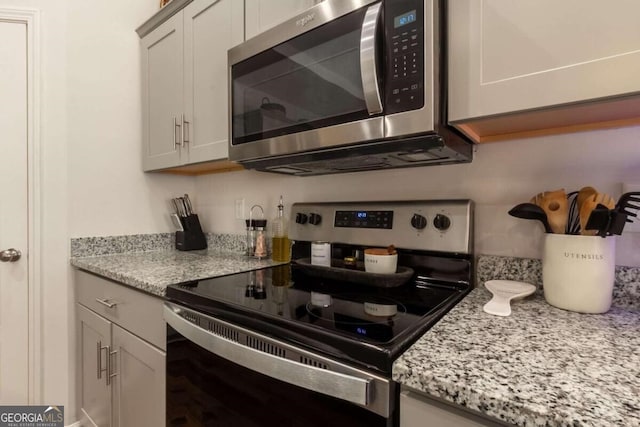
(364, 219)
(381, 332)
(404, 19)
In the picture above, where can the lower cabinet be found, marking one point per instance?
(121, 376)
(138, 389)
(418, 410)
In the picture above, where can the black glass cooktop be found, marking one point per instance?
(362, 324)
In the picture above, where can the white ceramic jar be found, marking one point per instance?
(380, 261)
(578, 272)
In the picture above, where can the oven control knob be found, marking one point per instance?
(315, 219)
(441, 222)
(301, 218)
(418, 221)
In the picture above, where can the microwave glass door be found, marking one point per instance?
(311, 81)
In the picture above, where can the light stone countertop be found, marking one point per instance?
(540, 366)
(153, 271)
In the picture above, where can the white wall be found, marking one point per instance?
(501, 176)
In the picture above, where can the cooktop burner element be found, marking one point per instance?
(359, 322)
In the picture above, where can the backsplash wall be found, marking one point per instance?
(501, 176)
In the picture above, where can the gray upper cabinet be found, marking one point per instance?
(211, 28)
(264, 14)
(528, 66)
(184, 77)
(162, 95)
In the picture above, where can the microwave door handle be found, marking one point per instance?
(368, 65)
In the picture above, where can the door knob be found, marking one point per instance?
(10, 255)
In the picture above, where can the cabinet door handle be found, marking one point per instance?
(99, 349)
(177, 133)
(106, 303)
(110, 374)
(185, 131)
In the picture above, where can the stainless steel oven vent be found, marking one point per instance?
(223, 331)
(265, 347)
(312, 362)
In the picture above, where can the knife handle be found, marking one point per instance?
(187, 203)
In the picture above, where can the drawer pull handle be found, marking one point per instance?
(106, 303)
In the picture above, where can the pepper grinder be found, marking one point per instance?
(256, 238)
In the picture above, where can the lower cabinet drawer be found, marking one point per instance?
(133, 310)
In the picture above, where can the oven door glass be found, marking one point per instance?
(311, 81)
(206, 390)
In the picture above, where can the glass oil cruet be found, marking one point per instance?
(280, 243)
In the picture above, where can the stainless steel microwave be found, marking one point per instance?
(348, 85)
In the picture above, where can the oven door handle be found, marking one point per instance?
(368, 63)
(345, 387)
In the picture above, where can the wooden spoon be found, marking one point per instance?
(556, 206)
(584, 194)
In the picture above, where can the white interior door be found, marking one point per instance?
(14, 273)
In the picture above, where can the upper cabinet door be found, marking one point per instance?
(162, 94)
(508, 56)
(211, 27)
(264, 14)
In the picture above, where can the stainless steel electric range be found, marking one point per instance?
(306, 345)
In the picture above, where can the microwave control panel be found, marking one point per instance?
(404, 26)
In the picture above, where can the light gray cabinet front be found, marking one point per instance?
(120, 353)
(210, 29)
(510, 56)
(522, 69)
(139, 382)
(417, 410)
(94, 337)
(162, 95)
(184, 79)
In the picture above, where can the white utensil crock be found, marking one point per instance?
(578, 272)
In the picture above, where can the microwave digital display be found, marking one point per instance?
(404, 19)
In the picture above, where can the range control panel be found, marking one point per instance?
(364, 219)
(435, 225)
